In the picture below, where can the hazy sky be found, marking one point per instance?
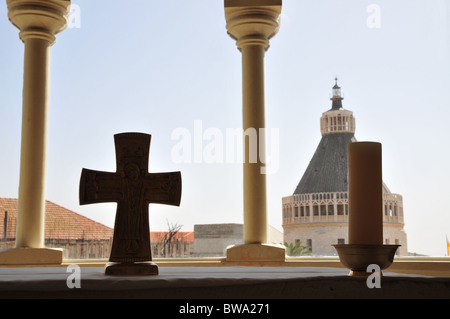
(161, 67)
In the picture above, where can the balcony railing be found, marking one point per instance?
(332, 207)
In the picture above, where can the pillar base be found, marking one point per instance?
(31, 256)
(256, 252)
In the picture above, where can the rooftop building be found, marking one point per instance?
(78, 236)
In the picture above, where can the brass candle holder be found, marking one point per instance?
(358, 257)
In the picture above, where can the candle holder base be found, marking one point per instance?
(358, 257)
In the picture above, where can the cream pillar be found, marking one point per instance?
(39, 22)
(255, 210)
(30, 220)
(252, 24)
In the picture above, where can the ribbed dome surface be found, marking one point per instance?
(327, 171)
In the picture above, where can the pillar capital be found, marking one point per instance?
(41, 19)
(252, 22)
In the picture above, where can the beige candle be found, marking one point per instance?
(365, 193)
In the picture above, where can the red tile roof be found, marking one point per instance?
(60, 223)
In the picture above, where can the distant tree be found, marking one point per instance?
(169, 237)
(297, 249)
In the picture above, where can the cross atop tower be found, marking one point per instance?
(336, 91)
(337, 96)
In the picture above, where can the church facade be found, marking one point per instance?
(316, 214)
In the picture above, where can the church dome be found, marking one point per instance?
(327, 171)
(328, 168)
(317, 213)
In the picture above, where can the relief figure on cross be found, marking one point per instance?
(131, 233)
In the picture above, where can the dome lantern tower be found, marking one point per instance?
(337, 92)
(337, 119)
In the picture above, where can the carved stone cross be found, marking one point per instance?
(133, 189)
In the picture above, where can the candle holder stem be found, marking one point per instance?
(358, 258)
